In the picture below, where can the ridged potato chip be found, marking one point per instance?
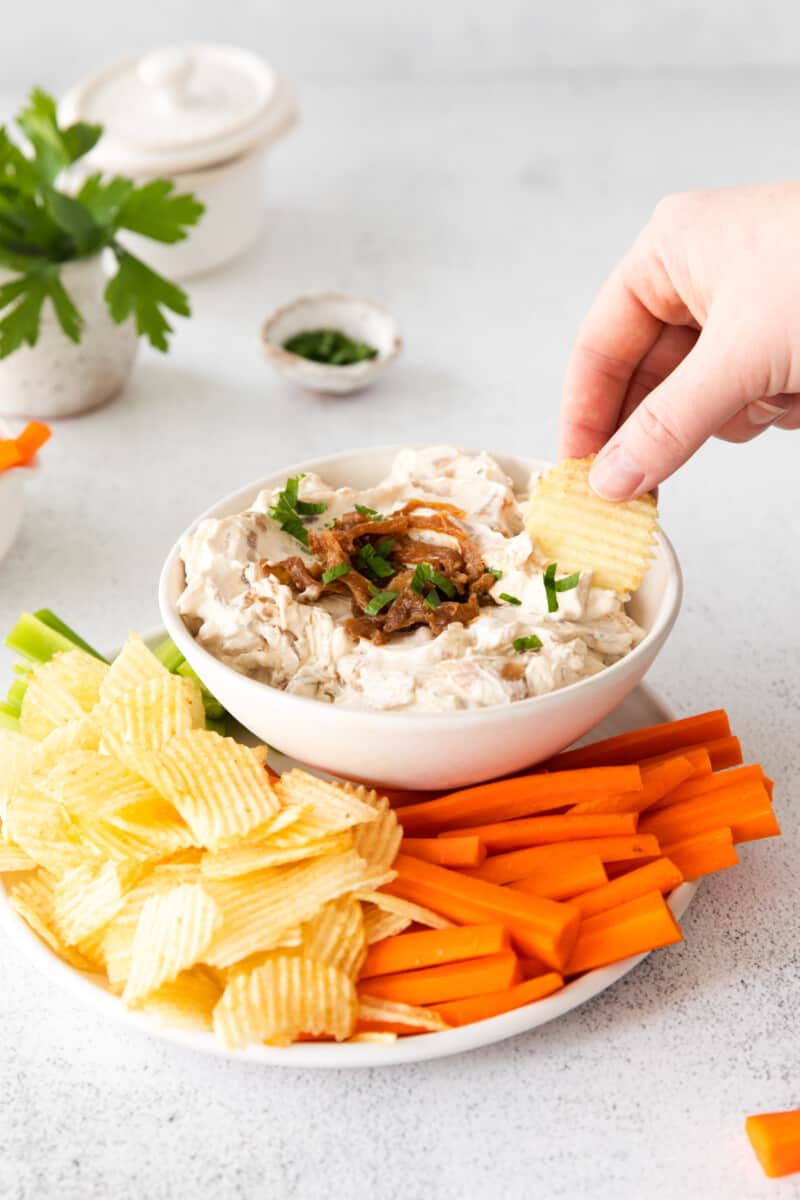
(378, 841)
(188, 1001)
(336, 936)
(134, 665)
(137, 759)
(60, 691)
(89, 784)
(88, 897)
(17, 756)
(379, 924)
(218, 787)
(117, 943)
(576, 528)
(33, 898)
(332, 806)
(392, 1012)
(13, 858)
(154, 712)
(83, 734)
(39, 825)
(405, 908)
(174, 930)
(274, 852)
(283, 998)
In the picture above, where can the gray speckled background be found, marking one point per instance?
(484, 216)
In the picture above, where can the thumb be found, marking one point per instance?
(675, 419)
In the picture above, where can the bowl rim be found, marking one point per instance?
(669, 606)
(276, 352)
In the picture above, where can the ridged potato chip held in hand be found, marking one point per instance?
(575, 528)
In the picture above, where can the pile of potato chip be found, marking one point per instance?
(165, 859)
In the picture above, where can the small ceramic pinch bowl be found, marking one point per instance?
(412, 749)
(359, 319)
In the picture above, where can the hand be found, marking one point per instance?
(696, 333)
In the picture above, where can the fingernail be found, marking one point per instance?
(761, 412)
(615, 475)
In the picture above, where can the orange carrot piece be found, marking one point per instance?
(637, 744)
(430, 948)
(466, 851)
(545, 831)
(480, 1008)
(9, 454)
(760, 825)
(452, 981)
(645, 923)
(713, 811)
(658, 780)
(532, 968)
(540, 927)
(32, 438)
(775, 1137)
(722, 752)
(698, 756)
(520, 864)
(704, 785)
(565, 879)
(661, 875)
(702, 855)
(518, 797)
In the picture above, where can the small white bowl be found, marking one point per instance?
(422, 750)
(359, 319)
(11, 501)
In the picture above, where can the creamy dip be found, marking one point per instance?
(258, 625)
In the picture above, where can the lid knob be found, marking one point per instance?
(167, 72)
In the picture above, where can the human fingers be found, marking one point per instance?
(673, 344)
(758, 415)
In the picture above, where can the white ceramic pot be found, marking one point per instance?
(58, 377)
(203, 116)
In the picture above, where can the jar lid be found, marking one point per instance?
(180, 108)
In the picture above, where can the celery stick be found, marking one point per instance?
(210, 703)
(8, 718)
(35, 640)
(22, 668)
(16, 692)
(53, 622)
(217, 724)
(168, 653)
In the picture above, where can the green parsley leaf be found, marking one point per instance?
(550, 587)
(510, 599)
(104, 197)
(21, 323)
(366, 511)
(432, 599)
(155, 212)
(287, 508)
(54, 148)
(335, 572)
(137, 289)
(531, 642)
(570, 582)
(379, 601)
(498, 574)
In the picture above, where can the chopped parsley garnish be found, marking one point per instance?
(329, 346)
(287, 510)
(531, 642)
(498, 574)
(370, 562)
(335, 572)
(365, 511)
(379, 601)
(510, 599)
(424, 573)
(553, 585)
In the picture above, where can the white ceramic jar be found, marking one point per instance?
(203, 116)
(61, 378)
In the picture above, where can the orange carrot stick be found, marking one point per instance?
(658, 780)
(518, 797)
(712, 811)
(698, 856)
(637, 744)
(544, 928)
(661, 875)
(705, 785)
(9, 454)
(532, 968)
(632, 928)
(775, 1137)
(545, 831)
(480, 1008)
(32, 438)
(466, 851)
(431, 947)
(520, 864)
(452, 981)
(564, 879)
(760, 825)
(698, 756)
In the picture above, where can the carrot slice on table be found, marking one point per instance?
(479, 1008)
(645, 923)
(658, 780)
(431, 947)
(518, 797)
(704, 785)
(636, 744)
(520, 864)
(545, 831)
(775, 1137)
(544, 928)
(452, 981)
(661, 875)
(32, 438)
(466, 851)
(702, 855)
(713, 811)
(565, 879)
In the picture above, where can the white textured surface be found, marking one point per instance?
(484, 217)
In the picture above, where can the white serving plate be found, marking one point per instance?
(643, 706)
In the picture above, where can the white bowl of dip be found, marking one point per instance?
(412, 749)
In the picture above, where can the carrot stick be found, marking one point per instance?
(637, 744)
(9, 454)
(466, 851)
(544, 831)
(565, 879)
(704, 785)
(32, 438)
(518, 797)
(698, 756)
(760, 825)
(661, 875)
(658, 780)
(713, 811)
(452, 981)
(532, 968)
(632, 928)
(480, 1008)
(520, 864)
(409, 951)
(697, 856)
(545, 928)
(775, 1137)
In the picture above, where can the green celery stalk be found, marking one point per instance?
(22, 668)
(8, 718)
(15, 693)
(169, 655)
(210, 703)
(35, 640)
(217, 724)
(53, 622)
